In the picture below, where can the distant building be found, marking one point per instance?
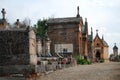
(100, 49)
(115, 50)
(115, 56)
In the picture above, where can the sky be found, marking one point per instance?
(103, 15)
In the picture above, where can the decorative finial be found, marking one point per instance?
(78, 15)
(85, 19)
(91, 29)
(3, 13)
(97, 31)
(115, 44)
(102, 37)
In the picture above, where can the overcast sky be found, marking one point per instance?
(103, 15)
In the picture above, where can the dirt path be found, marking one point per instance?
(101, 71)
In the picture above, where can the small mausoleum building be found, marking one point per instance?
(100, 49)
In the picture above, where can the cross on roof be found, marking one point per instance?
(96, 31)
(3, 13)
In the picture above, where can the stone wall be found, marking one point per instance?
(64, 34)
(14, 47)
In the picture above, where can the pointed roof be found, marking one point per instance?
(102, 40)
(97, 36)
(115, 47)
(105, 43)
(85, 27)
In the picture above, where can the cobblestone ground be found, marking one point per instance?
(101, 71)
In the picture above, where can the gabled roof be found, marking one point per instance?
(102, 40)
(115, 47)
(105, 43)
(64, 20)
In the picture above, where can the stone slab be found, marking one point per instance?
(18, 69)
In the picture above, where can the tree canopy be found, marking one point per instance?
(41, 28)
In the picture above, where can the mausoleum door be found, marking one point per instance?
(98, 56)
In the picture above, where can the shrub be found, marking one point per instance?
(82, 61)
(101, 60)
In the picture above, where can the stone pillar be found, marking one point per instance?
(32, 48)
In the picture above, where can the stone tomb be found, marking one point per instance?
(17, 51)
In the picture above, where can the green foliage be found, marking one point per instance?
(119, 56)
(111, 55)
(101, 60)
(82, 61)
(41, 28)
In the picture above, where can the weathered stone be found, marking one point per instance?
(17, 51)
(14, 48)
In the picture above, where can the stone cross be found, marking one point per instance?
(96, 31)
(17, 24)
(3, 13)
(85, 19)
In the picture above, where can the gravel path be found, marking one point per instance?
(101, 71)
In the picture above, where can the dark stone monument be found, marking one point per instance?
(16, 52)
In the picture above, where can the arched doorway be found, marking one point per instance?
(97, 56)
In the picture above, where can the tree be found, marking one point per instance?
(26, 22)
(41, 28)
(119, 56)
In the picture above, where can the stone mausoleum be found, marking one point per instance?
(100, 49)
(69, 36)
